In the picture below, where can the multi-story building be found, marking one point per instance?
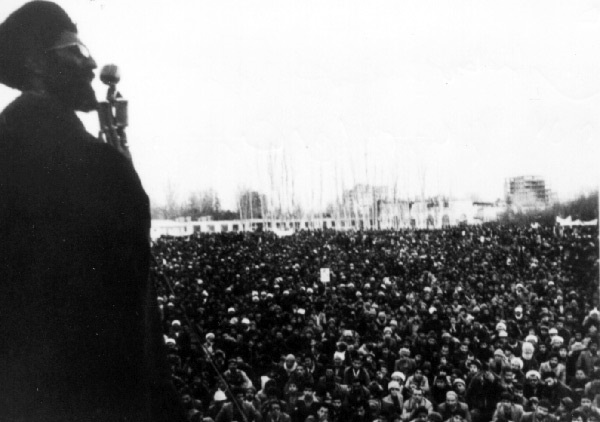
(525, 193)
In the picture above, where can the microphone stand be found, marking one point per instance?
(113, 113)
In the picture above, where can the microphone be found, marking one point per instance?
(110, 74)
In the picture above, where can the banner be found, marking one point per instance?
(325, 275)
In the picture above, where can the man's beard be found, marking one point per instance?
(79, 96)
(73, 88)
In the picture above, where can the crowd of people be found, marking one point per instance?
(488, 323)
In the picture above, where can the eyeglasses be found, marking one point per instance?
(76, 48)
(70, 40)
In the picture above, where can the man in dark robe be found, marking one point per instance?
(80, 336)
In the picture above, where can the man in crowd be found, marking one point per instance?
(417, 401)
(483, 394)
(453, 407)
(540, 414)
(507, 410)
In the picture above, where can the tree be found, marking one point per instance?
(251, 204)
(203, 203)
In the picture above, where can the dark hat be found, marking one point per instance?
(477, 363)
(548, 374)
(31, 29)
(434, 417)
(567, 402)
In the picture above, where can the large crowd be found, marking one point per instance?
(488, 323)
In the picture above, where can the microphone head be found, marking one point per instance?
(110, 74)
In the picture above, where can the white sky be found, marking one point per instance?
(445, 97)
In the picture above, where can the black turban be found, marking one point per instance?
(31, 29)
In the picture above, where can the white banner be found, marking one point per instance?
(325, 275)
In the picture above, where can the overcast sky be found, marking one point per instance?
(311, 97)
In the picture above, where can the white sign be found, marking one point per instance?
(325, 275)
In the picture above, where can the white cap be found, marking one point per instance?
(393, 384)
(399, 375)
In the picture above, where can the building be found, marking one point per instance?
(525, 193)
(436, 213)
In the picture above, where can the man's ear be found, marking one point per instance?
(36, 64)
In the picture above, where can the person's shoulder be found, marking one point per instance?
(33, 109)
(24, 103)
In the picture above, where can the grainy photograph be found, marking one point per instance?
(299, 211)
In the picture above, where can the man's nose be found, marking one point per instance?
(90, 63)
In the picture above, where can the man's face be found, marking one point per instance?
(451, 401)
(586, 403)
(275, 409)
(68, 73)
(323, 413)
(337, 404)
(417, 395)
(553, 361)
(550, 381)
